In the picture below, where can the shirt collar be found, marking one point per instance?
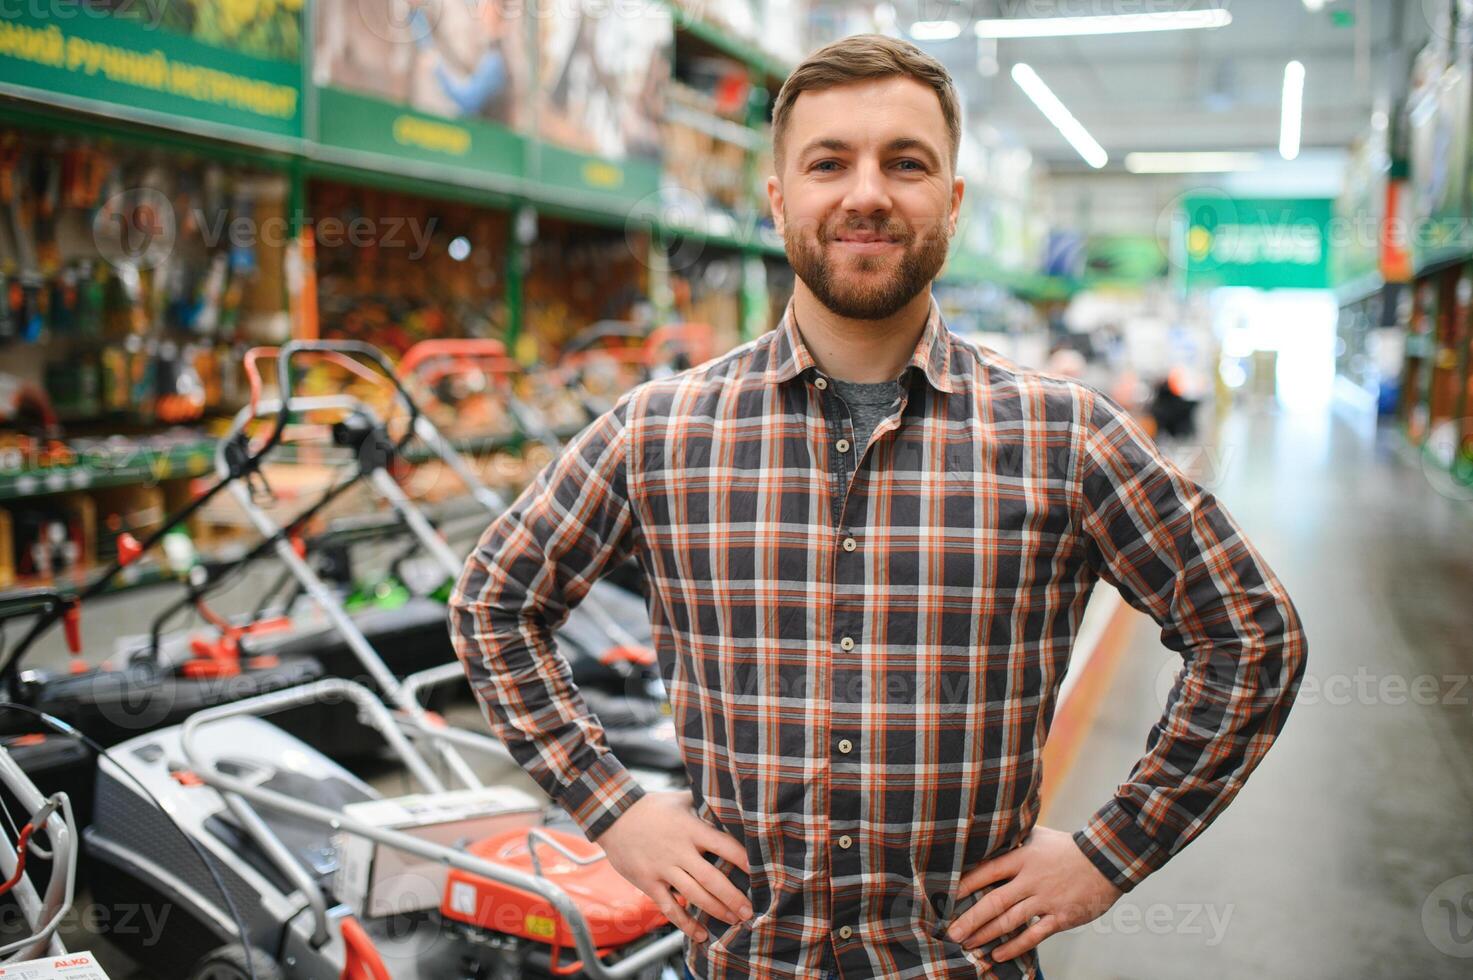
(932, 355)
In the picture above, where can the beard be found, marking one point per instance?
(865, 291)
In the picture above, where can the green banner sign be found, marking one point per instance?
(358, 122)
(1266, 243)
(140, 63)
(597, 182)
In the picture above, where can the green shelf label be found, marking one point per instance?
(366, 124)
(90, 54)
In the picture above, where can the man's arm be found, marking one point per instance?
(532, 566)
(1177, 556)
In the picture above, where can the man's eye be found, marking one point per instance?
(825, 165)
(912, 165)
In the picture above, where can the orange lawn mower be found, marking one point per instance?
(333, 879)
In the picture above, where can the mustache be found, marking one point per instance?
(891, 228)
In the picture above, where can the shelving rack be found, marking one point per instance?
(60, 77)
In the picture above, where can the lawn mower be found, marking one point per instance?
(331, 879)
(614, 668)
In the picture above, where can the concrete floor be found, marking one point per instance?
(1344, 854)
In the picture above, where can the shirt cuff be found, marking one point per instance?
(1115, 844)
(600, 795)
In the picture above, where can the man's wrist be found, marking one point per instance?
(601, 795)
(1118, 848)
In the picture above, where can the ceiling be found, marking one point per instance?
(1217, 89)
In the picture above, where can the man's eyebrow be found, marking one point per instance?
(902, 143)
(833, 144)
(912, 143)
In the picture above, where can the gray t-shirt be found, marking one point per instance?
(868, 404)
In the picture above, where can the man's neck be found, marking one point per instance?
(860, 350)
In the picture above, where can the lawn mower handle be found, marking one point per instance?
(460, 350)
(383, 482)
(349, 348)
(41, 913)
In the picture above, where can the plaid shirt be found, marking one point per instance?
(863, 644)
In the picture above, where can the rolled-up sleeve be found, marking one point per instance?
(531, 567)
(1175, 554)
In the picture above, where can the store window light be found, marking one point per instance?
(460, 249)
(1292, 120)
(935, 30)
(1165, 20)
(1057, 113)
(1208, 162)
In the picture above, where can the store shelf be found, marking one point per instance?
(144, 572)
(1435, 260)
(123, 467)
(1358, 290)
(771, 66)
(715, 126)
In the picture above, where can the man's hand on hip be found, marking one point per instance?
(659, 845)
(1047, 879)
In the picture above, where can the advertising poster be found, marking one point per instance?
(446, 58)
(601, 73)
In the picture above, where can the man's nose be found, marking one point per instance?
(867, 193)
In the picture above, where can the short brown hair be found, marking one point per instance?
(861, 57)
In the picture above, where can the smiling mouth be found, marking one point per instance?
(866, 243)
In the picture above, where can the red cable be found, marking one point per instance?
(20, 858)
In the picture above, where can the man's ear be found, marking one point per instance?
(958, 191)
(775, 201)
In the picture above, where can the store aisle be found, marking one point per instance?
(1341, 856)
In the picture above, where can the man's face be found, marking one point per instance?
(865, 198)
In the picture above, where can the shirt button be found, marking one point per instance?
(842, 445)
(845, 841)
(821, 383)
(847, 643)
(845, 932)
(845, 746)
(850, 544)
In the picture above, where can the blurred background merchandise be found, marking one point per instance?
(1248, 223)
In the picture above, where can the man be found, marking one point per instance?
(868, 547)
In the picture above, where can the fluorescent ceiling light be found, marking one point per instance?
(1314, 6)
(1048, 103)
(935, 30)
(1191, 163)
(1166, 20)
(1291, 121)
